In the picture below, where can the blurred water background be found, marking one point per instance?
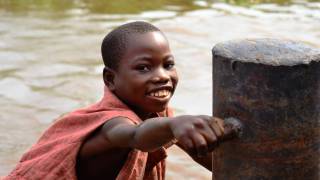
(50, 60)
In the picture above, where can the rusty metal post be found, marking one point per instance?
(273, 87)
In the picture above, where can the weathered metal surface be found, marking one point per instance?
(279, 105)
(268, 51)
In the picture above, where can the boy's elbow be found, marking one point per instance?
(140, 143)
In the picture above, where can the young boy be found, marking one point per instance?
(124, 136)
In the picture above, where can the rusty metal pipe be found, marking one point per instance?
(273, 87)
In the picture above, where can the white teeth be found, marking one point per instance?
(161, 93)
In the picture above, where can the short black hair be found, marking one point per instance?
(114, 44)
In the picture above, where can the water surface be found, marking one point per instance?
(51, 64)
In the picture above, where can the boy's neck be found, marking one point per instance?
(143, 115)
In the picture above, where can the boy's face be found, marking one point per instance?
(146, 76)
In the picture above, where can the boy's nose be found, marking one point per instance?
(160, 75)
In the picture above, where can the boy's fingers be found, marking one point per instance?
(212, 142)
(205, 129)
(208, 133)
(220, 123)
(217, 126)
(200, 144)
(186, 143)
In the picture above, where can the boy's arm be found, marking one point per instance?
(147, 136)
(194, 133)
(121, 132)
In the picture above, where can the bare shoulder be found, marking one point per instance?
(104, 153)
(111, 135)
(116, 122)
(119, 132)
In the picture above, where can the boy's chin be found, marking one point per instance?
(157, 109)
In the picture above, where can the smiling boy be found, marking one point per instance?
(124, 136)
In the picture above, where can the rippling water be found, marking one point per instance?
(51, 64)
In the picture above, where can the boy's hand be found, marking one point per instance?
(198, 135)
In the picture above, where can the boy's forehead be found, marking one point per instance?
(148, 38)
(145, 45)
(151, 41)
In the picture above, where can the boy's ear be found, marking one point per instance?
(108, 78)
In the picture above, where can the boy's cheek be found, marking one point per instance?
(175, 79)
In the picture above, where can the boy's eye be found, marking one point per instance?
(143, 68)
(169, 65)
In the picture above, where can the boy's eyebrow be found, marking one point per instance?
(146, 57)
(142, 58)
(169, 56)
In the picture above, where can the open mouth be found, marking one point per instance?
(162, 94)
